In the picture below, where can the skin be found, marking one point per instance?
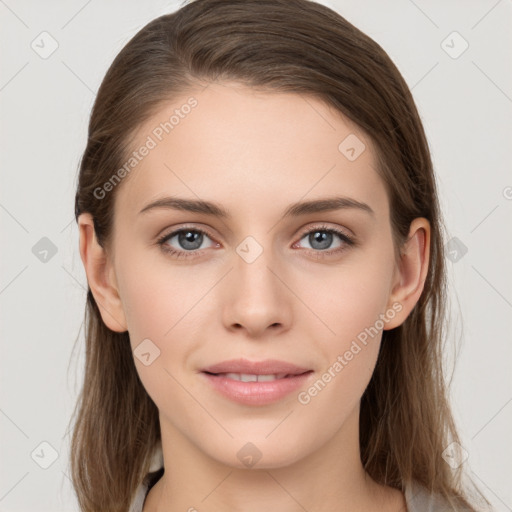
(255, 154)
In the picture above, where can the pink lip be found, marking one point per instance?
(256, 393)
(267, 367)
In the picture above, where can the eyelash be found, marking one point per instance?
(346, 239)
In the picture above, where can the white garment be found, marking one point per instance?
(417, 498)
(157, 462)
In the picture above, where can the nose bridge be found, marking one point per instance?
(252, 266)
(257, 297)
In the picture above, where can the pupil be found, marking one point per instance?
(323, 238)
(189, 240)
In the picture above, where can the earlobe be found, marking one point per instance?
(412, 271)
(100, 275)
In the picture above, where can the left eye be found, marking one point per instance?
(322, 239)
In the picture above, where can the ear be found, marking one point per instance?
(100, 275)
(411, 272)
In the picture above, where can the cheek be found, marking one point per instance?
(351, 305)
(163, 303)
(158, 301)
(351, 302)
(155, 294)
(350, 297)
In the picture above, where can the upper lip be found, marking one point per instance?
(266, 367)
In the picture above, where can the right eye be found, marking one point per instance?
(188, 240)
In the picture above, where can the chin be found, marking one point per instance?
(258, 454)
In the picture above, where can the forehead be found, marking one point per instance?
(241, 146)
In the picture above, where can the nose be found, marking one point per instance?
(257, 299)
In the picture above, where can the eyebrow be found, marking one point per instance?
(294, 210)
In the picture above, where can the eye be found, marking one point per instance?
(187, 241)
(321, 239)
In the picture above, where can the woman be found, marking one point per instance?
(261, 233)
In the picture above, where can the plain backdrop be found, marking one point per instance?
(464, 96)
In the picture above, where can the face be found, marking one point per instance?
(311, 286)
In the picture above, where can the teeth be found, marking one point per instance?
(246, 377)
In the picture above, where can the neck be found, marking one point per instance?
(329, 479)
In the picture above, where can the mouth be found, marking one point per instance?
(256, 383)
(253, 377)
(267, 368)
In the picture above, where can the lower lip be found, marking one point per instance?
(256, 393)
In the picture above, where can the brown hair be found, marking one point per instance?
(283, 46)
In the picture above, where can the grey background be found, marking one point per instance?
(466, 106)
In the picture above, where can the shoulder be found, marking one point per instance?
(149, 480)
(156, 470)
(419, 499)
